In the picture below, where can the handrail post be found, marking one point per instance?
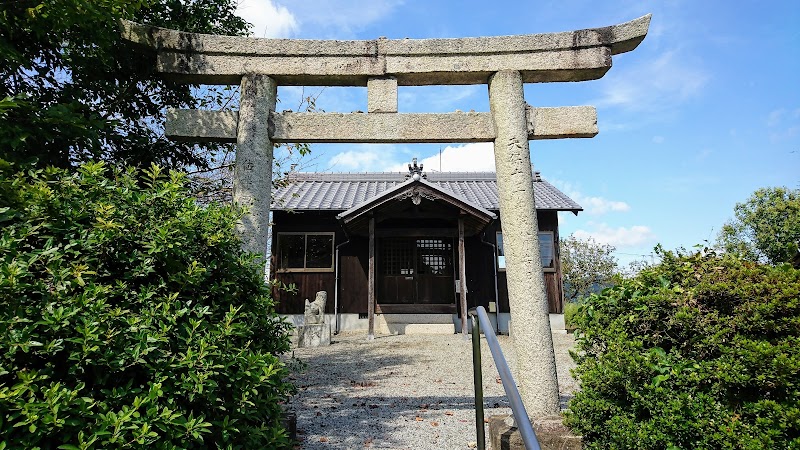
(521, 417)
(478, 380)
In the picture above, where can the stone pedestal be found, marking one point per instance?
(314, 335)
(551, 433)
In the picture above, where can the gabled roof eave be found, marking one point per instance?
(392, 192)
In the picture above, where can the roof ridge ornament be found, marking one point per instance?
(415, 171)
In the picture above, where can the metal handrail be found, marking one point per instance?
(521, 418)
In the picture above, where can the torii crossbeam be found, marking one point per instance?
(503, 62)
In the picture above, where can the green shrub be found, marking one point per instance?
(698, 352)
(131, 318)
(570, 311)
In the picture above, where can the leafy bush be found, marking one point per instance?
(130, 317)
(698, 352)
(570, 311)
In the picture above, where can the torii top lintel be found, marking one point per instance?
(211, 59)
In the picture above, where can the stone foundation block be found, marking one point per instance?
(551, 432)
(314, 335)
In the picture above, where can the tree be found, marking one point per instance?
(766, 227)
(131, 317)
(587, 266)
(75, 91)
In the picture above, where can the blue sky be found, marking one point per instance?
(702, 113)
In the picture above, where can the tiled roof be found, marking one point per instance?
(342, 191)
(435, 187)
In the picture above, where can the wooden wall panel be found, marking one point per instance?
(353, 276)
(480, 270)
(308, 283)
(548, 221)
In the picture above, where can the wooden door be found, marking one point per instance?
(416, 271)
(434, 275)
(397, 269)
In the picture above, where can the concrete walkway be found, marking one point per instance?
(401, 392)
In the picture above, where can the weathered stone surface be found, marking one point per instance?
(252, 174)
(382, 95)
(199, 125)
(533, 343)
(562, 122)
(551, 123)
(315, 311)
(550, 432)
(567, 56)
(549, 66)
(314, 335)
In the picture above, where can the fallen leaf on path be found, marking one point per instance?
(323, 439)
(434, 424)
(448, 413)
(419, 419)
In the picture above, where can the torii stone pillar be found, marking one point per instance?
(533, 342)
(252, 173)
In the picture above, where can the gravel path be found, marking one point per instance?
(401, 392)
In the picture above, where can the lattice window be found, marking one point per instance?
(397, 256)
(434, 257)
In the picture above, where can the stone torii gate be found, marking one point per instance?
(504, 63)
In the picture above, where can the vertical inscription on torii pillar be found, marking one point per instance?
(533, 342)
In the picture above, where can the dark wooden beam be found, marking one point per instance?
(415, 232)
(371, 288)
(462, 276)
(415, 308)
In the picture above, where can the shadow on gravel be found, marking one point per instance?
(356, 394)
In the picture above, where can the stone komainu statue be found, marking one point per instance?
(315, 311)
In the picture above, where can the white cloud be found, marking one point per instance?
(619, 237)
(269, 20)
(591, 205)
(703, 154)
(357, 160)
(656, 84)
(338, 19)
(474, 157)
(775, 116)
(783, 124)
(599, 205)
